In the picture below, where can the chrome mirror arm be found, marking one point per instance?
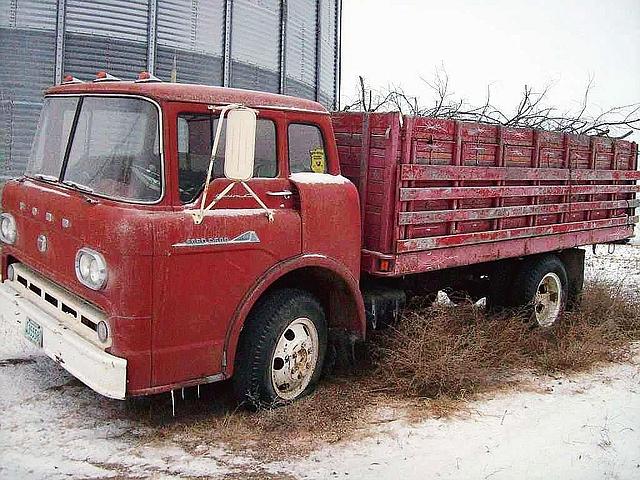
(199, 214)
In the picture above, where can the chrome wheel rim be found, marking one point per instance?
(294, 359)
(548, 300)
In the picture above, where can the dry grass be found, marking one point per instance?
(431, 363)
(457, 352)
(338, 409)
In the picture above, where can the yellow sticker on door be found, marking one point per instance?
(318, 163)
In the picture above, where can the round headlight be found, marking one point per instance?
(8, 230)
(102, 331)
(84, 265)
(95, 272)
(91, 269)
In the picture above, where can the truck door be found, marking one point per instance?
(202, 272)
(328, 202)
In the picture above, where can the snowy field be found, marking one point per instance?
(574, 427)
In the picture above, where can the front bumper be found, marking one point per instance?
(99, 370)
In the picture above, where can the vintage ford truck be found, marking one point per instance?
(169, 235)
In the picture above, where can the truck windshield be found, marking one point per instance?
(113, 146)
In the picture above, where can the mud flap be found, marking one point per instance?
(573, 260)
(383, 306)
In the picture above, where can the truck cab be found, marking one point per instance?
(170, 235)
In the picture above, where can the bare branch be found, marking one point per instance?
(532, 109)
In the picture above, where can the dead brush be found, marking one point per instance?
(336, 411)
(456, 352)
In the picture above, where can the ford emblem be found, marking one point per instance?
(42, 243)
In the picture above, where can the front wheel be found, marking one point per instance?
(281, 349)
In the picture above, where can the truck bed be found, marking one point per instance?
(442, 193)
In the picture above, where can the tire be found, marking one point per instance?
(281, 350)
(541, 289)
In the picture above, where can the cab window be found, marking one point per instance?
(306, 149)
(195, 140)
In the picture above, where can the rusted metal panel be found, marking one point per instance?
(429, 260)
(407, 218)
(606, 175)
(415, 244)
(463, 184)
(411, 194)
(461, 173)
(363, 148)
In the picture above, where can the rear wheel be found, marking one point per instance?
(281, 349)
(541, 287)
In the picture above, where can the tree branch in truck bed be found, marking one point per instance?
(531, 111)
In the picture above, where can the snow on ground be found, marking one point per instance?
(573, 427)
(586, 427)
(615, 263)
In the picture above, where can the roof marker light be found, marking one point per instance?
(70, 79)
(146, 77)
(105, 77)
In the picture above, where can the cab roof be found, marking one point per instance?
(184, 92)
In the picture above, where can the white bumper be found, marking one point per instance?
(104, 373)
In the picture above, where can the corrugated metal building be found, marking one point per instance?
(285, 46)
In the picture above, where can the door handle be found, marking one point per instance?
(283, 193)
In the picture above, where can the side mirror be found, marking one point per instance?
(240, 148)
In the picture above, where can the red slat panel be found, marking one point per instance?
(444, 241)
(431, 260)
(452, 172)
(434, 216)
(438, 193)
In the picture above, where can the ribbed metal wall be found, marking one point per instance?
(286, 46)
(189, 40)
(255, 45)
(108, 34)
(27, 53)
(300, 48)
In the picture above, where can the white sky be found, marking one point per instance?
(499, 42)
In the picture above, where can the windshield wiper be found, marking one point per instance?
(46, 178)
(78, 186)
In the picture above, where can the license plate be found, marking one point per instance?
(33, 332)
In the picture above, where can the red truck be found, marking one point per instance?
(168, 235)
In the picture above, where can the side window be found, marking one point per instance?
(194, 149)
(195, 140)
(266, 164)
(306, 149)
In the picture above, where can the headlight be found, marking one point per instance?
(8, 230)
(91, 269)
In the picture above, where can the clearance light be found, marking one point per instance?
(105, 77)
(385, 265)
(146, 77)
(70, 79)
(8, 229)
(91, 269)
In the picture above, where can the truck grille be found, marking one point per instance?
(66, 307)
